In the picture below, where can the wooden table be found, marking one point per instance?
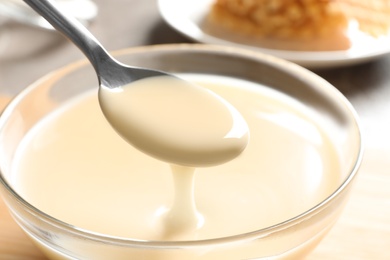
(363, 231)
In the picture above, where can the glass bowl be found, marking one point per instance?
(291, 238)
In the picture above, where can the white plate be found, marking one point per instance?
(187, 17)
(83, 10)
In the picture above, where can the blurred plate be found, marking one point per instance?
(83, 10)
(23, 32)
(187, 17)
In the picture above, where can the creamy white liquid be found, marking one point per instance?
(74, 167)
(175, 121)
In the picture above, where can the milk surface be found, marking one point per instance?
(74, 167)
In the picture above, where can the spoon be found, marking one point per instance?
(194, 140)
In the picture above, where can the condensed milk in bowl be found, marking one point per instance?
(80, 191)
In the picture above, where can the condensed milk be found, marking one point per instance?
(175, 121)
(75, 168)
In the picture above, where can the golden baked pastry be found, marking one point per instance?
(373, 16)
(298, 24)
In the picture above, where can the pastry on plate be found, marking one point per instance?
(307, 25)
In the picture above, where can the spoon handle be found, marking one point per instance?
(75, 32)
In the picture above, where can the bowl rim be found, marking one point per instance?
(275, 62)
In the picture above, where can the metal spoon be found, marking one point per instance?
(115, 77)
(110, 72)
